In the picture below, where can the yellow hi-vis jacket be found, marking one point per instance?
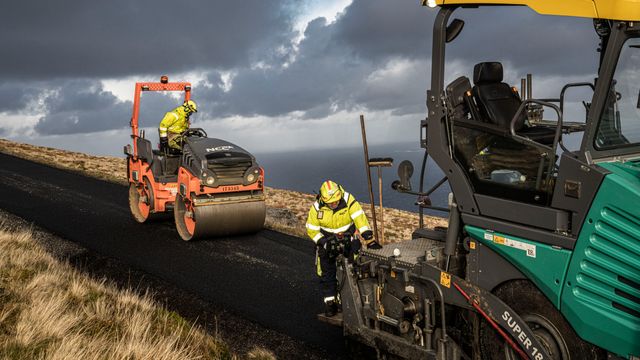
(323, 219)
(175, 121)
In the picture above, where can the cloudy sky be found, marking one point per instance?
(269, 75)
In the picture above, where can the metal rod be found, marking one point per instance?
(422, 170)
(540, 170)
(381, 208)
(436, 186)
(368, 170)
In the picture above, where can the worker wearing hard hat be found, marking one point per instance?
(174, 123)
(334, 213)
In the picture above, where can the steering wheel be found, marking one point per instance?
(198, 132)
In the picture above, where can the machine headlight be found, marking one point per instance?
(251, 175)
(210, 180)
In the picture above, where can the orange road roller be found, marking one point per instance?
(213, 187)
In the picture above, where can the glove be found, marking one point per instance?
(368, 235)
(322, 246)
(356, 245)
(374, 245)
(322, 242)
(164, 142)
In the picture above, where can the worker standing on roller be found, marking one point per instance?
(174, 123)
(334, 213)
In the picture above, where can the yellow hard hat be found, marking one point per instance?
(190, 106)
(330, 192)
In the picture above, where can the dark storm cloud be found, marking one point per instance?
(335, 62)
(77, 38)
(15, 96)
(319, 76)
(375, 56)
(377, 30)
(542, 45)
(80, 106)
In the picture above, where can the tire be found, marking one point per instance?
(546, 322)
(141, 208)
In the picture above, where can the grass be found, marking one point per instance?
(287, 210)
(49, 310)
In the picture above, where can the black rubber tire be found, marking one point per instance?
(547, 323)
(134, 198)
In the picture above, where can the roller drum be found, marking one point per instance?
(219, 219)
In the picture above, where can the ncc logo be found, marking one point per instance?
(220, 148)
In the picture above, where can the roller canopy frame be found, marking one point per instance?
(153, 86)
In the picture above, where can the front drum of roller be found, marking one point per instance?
(218, 219)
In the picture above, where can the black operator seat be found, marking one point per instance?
(498, 103)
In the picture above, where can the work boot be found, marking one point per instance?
(330, 308)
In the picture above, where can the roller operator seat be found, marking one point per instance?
(498, 103)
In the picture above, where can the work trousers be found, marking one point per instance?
(326, 269)
(175, 141)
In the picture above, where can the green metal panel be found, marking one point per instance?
(544, 265)
(601, 296)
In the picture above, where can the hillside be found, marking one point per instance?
(286, 210)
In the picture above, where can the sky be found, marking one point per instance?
(271, 76)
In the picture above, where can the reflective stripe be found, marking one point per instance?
(176, 115)
(313, 227)
(317, 237)
(163, 134)
(356, 214)
(346, 196)
(316, 205)
(163, 129)
(363, 229)
(338, 230)
(329, 298)
(318, 267)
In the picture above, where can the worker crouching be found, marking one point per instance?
(333, 218)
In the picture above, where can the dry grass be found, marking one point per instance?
(48, 310)
(287, 209)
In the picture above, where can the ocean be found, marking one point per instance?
(305, 170)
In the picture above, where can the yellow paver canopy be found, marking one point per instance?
(602, 9)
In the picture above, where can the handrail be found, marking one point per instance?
(556, 138)
(564, 88)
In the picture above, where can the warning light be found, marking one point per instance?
(164, 79)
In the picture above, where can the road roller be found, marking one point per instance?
(213, 187)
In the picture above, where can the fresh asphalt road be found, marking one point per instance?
(266, 278)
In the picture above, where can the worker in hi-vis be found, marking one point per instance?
(174, 123)
(334, 213)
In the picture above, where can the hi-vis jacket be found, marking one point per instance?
(322, 219)
(175, 121)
